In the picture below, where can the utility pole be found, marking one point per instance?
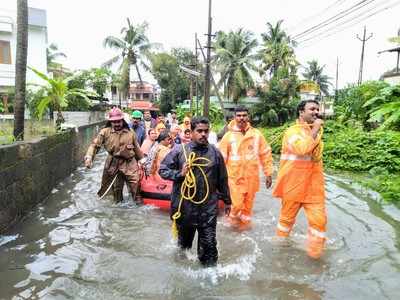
(197, 79)
(214, 83)
(337, 78)
(206, 104)
(363, 40)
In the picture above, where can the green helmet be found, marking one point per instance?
(137, 114)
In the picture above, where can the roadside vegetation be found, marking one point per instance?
(363, 137)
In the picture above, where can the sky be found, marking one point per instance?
(79, 27)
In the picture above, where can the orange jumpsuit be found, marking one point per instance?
(300, 183)
(243, 153)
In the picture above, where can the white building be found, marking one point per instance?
(37, 44)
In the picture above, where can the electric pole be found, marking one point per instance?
(337, 78)
(221, 104)
(206, 104)
(363, 40)
(197, 79)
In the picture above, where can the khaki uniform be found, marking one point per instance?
(123, 155)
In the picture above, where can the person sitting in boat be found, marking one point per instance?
(186, 137)
(176, 134)
(149, 141)
(186, 123)
(157, 154)
(160, 127)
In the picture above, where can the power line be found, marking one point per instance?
(320, 13)
(346, 27)
(334, 18)
(335, 26)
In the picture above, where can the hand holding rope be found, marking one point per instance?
(189, 185)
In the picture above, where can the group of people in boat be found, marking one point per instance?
(202, 172)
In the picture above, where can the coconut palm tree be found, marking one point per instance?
(52, 54)
(133, 46)
(234, 59)
(20, 68)
(56, 95)
(315, 73)
(277, 51)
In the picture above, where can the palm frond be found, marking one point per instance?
(111, 62)
(114, 43)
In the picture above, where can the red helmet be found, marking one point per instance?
(115, 114)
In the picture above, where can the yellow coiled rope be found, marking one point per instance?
(189, 186)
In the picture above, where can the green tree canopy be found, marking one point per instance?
(134, 48)
(277, 51)
(315, 73)
(235, 60)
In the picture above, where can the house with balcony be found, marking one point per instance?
(37, 44)
(138, 91)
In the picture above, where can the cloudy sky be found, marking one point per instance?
(78, 27)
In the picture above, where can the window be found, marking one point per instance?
(5, 53)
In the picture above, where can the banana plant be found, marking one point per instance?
(385, 107)
(56, 95)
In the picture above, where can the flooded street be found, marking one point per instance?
(74, 246)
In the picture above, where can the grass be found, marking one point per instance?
(33, 129)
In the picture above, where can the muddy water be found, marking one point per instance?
(76, 247)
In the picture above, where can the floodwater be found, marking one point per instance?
(74, 246)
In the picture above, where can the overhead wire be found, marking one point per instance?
(300, 43)
(338, 16)
(335, 26)
(313, 17)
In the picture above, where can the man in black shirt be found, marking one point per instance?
(200, 213)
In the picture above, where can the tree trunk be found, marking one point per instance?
(20, 68)
(138, 73)
(60, 120)
(5, 103)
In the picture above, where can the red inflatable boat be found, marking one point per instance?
(157, 192)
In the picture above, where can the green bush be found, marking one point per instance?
(359, 151)
(350, 103)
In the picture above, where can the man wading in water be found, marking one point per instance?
(197, 208)
(123, 155)
(300, 182)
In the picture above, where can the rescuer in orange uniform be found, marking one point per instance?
(244, 149)
(300, 181)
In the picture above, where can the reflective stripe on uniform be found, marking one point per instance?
(244, 217)
(235, 157)
(317, 233)
(234, 145)
(283, 228)
(295, 157)
(256, 144)
(294, 138)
